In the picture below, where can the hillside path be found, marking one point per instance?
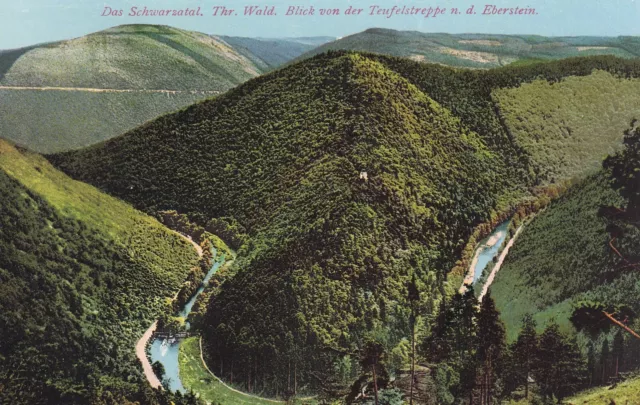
(496, 268)
(141, 345)
(97, 90)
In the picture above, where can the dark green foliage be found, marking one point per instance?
(491, 349)
(560, 368)
(523, 355)
(625, 171)
(592, 316)
(158, 370)
(326, 253)
(72, 304)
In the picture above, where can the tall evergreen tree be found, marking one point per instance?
(371, 359)
(413, 296)
(604, 360)
(559, 369)
(591, 362)
(525, 350)
(625, 174)
(491, 346)
(617, 352)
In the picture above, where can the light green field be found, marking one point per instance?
(626, 393)
(195, 377)
(63, 120)
(571, 125)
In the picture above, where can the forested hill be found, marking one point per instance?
(571, 252)
(111, 81)
(482, 51)
(82, 275)
(283, 156)
(348, 172)
(130, 57)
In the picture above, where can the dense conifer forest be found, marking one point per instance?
(77, 289)
(349, 177)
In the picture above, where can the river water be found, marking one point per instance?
(166, 351)
(489, 248)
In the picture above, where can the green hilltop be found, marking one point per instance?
(119, 78)
(83, 275)
(479, 50)
(349, 173)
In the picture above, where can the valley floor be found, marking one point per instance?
(196, 377)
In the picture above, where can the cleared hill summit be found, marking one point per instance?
(147, 70)
(83, 275)
(133, 57)
(329, 253)
(479, 50)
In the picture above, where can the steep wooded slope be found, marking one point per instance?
(82, 276)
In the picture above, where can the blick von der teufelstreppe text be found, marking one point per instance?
(373, 11)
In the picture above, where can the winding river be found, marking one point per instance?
(166, 351)
(488, 249)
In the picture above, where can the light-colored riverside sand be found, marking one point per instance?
(496, 268)
(468, 278)
(494, 239)
(141, 345)
(141, 353)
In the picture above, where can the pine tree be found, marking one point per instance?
(525, 350)
(604, 360)
(559, 369)
(618, 352)
(371, 359)
(591, 363)
(413, 296)
(491, 346)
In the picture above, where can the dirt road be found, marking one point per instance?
(96, 90)
(141, 345)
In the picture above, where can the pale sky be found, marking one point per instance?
(27, 22)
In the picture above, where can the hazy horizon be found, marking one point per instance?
(30, 22)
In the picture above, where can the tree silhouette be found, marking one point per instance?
(594, 317)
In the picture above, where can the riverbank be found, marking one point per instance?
(496, 268)
(197, 377)
(141, 344)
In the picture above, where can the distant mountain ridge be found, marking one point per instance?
(479, 50)
(185, 66)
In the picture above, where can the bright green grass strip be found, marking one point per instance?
(627, 392)
(195, 377)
